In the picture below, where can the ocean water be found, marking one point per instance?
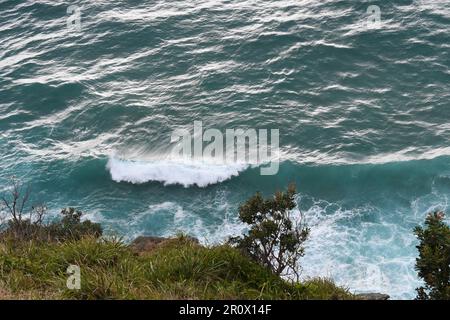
(86, 116)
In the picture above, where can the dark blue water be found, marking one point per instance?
(363, 114)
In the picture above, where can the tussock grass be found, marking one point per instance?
(175, 269)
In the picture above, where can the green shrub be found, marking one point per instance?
(25, 223)
(275, 241)
(433, 263)
(70, 227)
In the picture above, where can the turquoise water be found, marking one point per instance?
(363, 117)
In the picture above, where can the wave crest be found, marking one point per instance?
(172, 172)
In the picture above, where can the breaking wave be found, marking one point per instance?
(172, 172)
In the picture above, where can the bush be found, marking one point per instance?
(22, 223)
(68, 228)
(25, 223)
(71, 228)
(433, 263)
(274, 240)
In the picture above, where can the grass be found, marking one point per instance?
(175, 269)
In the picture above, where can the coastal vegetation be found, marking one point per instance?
(36, 253)
(433, 263)
(275, 239)
(177, 268)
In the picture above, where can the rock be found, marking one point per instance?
(144, 244)
(372, 296)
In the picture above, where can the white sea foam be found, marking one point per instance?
(170, 172)
(350, 246)
(182, 219)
